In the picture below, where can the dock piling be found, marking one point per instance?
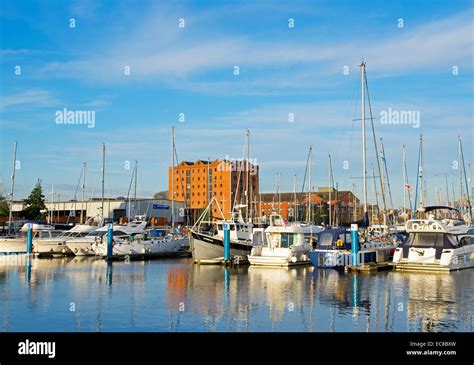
(110, 240)
(29, 240)
(355, 244)
(226, 243)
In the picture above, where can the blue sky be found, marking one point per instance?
(190, 70)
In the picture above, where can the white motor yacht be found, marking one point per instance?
(17, 244)
(57, 245)
(285, 244)
(84, 246)
(440, 242)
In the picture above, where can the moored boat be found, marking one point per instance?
(285, 244)
(440, 242)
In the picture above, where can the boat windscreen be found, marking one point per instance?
(325, 239)
(434, 240)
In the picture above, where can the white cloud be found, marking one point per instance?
(31, 97)
(159, 50)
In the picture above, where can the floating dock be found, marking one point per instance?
(147, 256)
(371, 267)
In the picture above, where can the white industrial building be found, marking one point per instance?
(114, 209)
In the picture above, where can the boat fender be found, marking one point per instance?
(294, 259)
(339, 243)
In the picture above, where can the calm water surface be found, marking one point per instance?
(88, 294)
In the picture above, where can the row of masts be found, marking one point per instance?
(419, 199)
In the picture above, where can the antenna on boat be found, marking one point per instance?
(10, 210)
(465, 177)
(419, 177)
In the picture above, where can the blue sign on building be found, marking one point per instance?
(160, 206)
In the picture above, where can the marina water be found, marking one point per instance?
(174, 295)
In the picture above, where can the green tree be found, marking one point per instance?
(4, 211)
(34, 202)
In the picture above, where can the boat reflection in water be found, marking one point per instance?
(90, 294)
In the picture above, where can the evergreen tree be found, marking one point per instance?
(4, 211)
(34, 202)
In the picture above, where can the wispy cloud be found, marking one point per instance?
(31, 97)
(177, 58)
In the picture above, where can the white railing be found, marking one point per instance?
(424, 225)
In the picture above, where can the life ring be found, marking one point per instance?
(416, 226)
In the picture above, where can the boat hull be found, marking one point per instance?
(204, 248)
(142, 249)
(51, 248)
(80, 248)
(279, 256)
(419, 259)
(12, 245)
(340, 258)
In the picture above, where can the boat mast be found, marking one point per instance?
(461, 187)
(310, 160)
(247, 174)
(279, 194)
(375, 195)
(135, 190)
(422, 202)
(103, 180)
(172, 179)
(447, 190)
(83, 186)
(51, 212)
(418, 177)
(354, 203)
(404, 183)
(465, 177)
(295, 205)
(10, 210)
(330, 191)
(379, 169)
(452, 186)
(364, 146)
(386, 173)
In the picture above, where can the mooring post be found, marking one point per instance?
(226, 242)
(355, 244)
(110, 240)
(29, 240)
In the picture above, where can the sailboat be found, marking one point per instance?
(82, 245)
(287, 244)
(333, 247)
(207, 236)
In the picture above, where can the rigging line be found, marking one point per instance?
(75, 194)
(182, 185)
(237, 188)
(352, 129)
(352, 100)
(305, 173)
(386, 174)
